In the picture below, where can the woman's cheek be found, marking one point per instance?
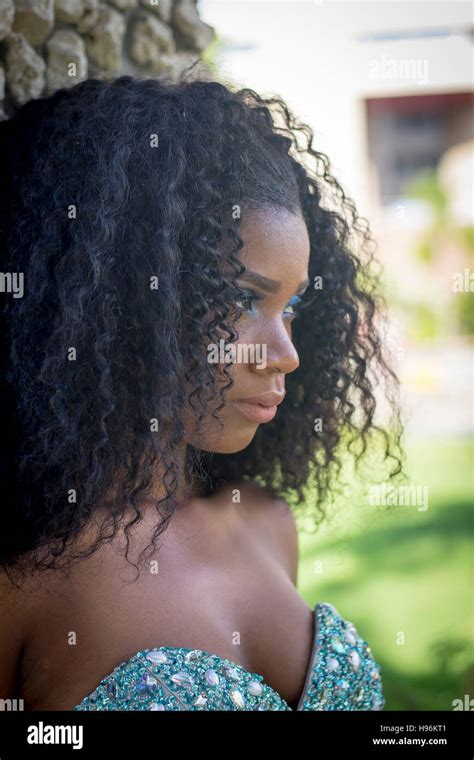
(251, 334)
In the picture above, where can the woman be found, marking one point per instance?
(196, 342)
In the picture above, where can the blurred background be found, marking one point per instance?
(387, 88)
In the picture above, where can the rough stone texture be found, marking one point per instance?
(193, 30)
(51, 44)
(151, 39)
(34, 19)
(82, 14)
(7, 14)
(173, 65)
(25, 70)
(67, 60)
(124, 5)
(162, 8)
(104, 41)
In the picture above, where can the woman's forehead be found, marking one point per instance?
(275, 240)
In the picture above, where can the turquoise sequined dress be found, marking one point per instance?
(342, 675)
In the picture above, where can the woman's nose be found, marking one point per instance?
(278, 351)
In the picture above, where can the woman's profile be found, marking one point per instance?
(195, 350)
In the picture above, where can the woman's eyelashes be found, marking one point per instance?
(293, 303)
(249, 298)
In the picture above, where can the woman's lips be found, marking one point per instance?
(255, 412)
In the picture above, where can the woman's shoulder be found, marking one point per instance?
(17, 598)
(16, 606)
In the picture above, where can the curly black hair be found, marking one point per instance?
(90, 214)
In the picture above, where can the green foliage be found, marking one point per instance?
(427, 187)
(464, 305)
(426, 325)
(211, 54)
(402, 576)
(466, 237)
(424, 251)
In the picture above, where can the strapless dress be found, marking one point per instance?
(342, 675)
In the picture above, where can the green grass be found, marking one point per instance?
(404, 578)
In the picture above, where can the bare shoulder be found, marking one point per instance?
(14, 613)
(14, 601)
(273, 518)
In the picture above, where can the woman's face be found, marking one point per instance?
(276, 253)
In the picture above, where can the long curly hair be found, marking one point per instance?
(106, 187)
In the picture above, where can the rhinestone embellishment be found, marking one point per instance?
(211, 677)
(343, 675)
(194, 654)
(337, 645)
(350, 637)
(157, 657)
(254, 688)
(354, 659)
(182, 679)
(237, 699)
(231, 672)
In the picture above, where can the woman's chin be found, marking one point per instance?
(230, 443)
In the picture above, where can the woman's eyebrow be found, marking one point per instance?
(266, 283)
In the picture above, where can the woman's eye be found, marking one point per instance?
(246, 301)
(291, 307)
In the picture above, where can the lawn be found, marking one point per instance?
(404, 577)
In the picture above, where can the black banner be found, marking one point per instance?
(375, 734)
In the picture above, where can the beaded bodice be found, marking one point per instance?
(342, 675)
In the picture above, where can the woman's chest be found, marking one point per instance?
(242, 607)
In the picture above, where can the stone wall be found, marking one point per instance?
(48, 44)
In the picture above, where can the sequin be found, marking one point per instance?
(177, 679)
